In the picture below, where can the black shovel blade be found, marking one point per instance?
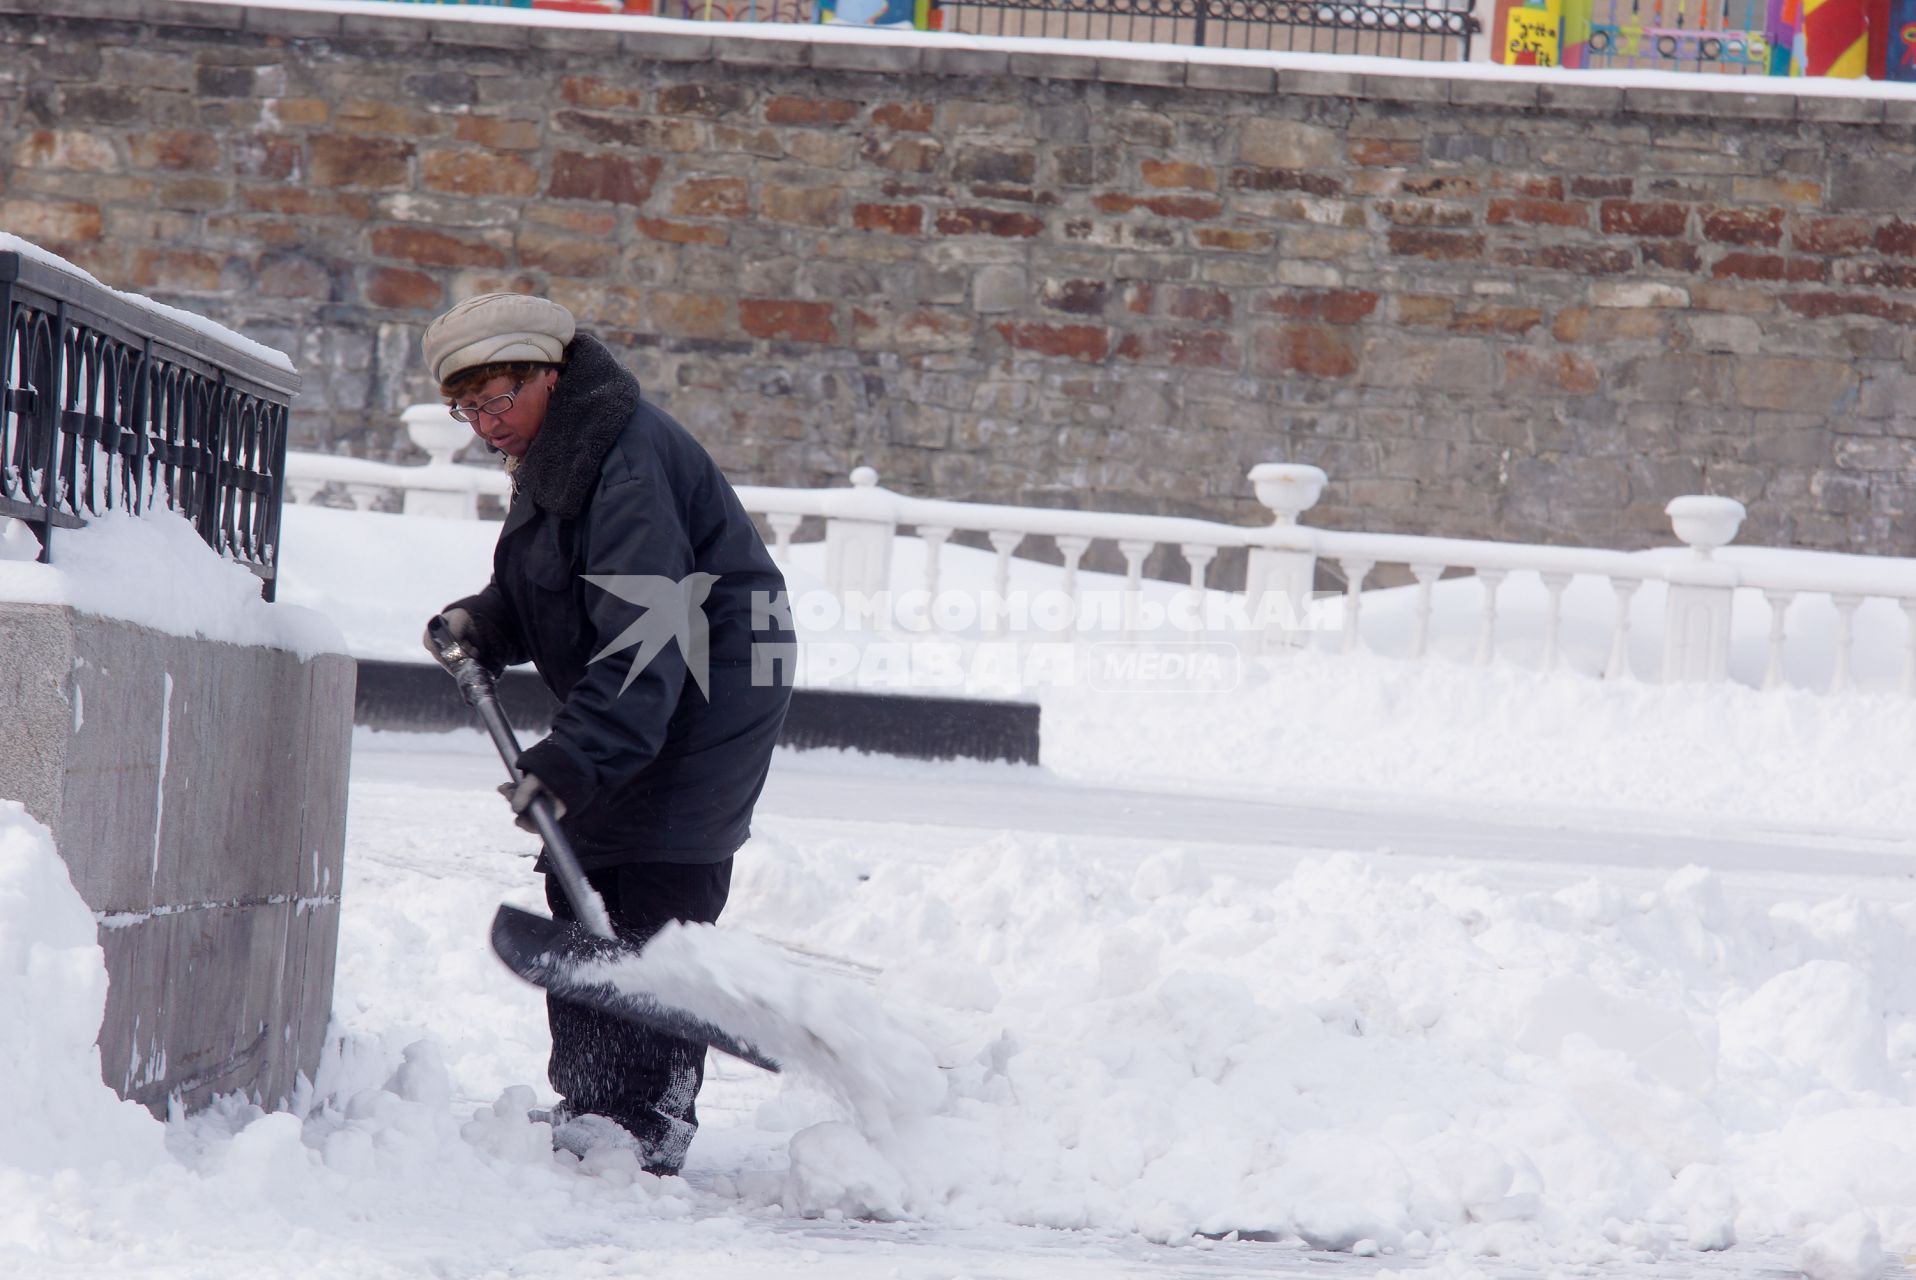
(547, 954)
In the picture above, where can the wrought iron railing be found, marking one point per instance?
(1436, 30)
(1433, 30)
(106, 404)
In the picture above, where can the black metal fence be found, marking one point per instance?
(1437, 30)
(1432, 30)
(105, 404)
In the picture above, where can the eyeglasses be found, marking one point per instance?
(495, 407)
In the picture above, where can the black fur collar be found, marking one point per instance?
(594, 400)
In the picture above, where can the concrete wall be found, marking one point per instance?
(197, 791)
(1499, 309)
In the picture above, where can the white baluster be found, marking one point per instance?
(934, 536)
(1426, 575)
(1909, 647)
(784, 525)
(1617, 667)
(1134, 551)
(1846, 607)
(1553, 583)
(304, 491)
(364, 495)
(1354, 574)
(1199, 557)
(1072, 547)
(1487, 633)
(1773, 666)
(1004, 542)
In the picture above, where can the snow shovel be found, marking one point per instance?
(545, 952)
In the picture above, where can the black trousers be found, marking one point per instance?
(645, 1080)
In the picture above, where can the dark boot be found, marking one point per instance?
(637, 1079)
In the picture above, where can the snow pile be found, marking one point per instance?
(61, 1115)
(1370, 1063)
(156, 571)
(1848, 1250)
(1338, 1052)
(832, 1029)
(1488, 738)
(377, 1165)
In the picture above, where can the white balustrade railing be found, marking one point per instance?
(441, 487)
(1699, 589)
(1278, 605)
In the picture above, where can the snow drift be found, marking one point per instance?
(1375, 1062)
(61, 1115)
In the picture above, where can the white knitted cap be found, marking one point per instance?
(494, 328)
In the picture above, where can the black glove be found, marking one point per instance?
(463, 629)
(520, 794)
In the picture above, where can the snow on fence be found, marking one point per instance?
(111, 401)
(1672, 614)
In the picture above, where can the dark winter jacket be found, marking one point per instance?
(650, 767)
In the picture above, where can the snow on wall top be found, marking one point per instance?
(154, 570)
(197, 323)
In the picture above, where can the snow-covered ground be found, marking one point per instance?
(1466, 970)
(1149, 1027)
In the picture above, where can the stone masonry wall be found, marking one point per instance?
(1508, 310)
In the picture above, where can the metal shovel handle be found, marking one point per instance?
(476, 683)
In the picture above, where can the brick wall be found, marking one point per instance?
(1511, 310)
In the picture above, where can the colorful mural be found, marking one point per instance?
(1899, 44)
(569, 6)
(908, 14)
(1756, 37)
(1835, 38)
(1533, 35)
(1776, 37)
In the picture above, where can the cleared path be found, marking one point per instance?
(1235, 828)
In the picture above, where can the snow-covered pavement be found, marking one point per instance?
(1259, 838)
(1084, 931)
(924, 808)
(1465, 971)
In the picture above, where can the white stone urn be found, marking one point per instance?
(1705, 522)
(434, 429)
(1289, 489)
